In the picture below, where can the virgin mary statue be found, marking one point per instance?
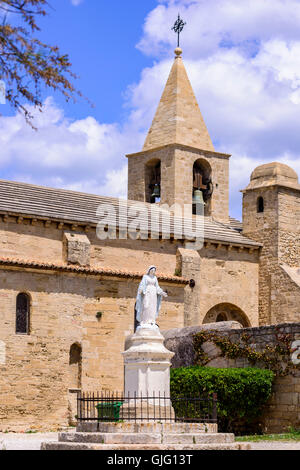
(148, 299)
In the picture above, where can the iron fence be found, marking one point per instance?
(116, 407)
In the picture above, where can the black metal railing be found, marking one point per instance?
(116, 407)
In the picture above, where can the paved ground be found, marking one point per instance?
(275, 445)
(23, 441)
(14, 441)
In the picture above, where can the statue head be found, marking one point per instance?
(151, 271)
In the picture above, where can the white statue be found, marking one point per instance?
(148, 300)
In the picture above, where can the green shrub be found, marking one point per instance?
(241, 392)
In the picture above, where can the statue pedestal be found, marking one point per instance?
(147, 376)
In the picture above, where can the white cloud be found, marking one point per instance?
(83, 155)
(209, 24)
(243, 59)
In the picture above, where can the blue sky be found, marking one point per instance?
(100, 38)
(243, 59)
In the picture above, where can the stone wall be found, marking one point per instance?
(177, 176)
(35, 369)
(283, 408)
(222, 275)
(94, 312)
(263, 228)
(48, 244)
(289, 227)
(278, 229)
(228, 278)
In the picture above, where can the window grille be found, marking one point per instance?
(22, 314)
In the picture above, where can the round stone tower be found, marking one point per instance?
(271, 216)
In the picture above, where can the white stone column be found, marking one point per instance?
(147, 371)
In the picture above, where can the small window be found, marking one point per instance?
(22, 314)
(260, 204)
(75, 363)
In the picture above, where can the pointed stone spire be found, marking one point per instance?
(178, 119)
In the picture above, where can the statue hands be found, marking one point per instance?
(164, 294)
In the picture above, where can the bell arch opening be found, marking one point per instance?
(227, 312)
(153, 181)
(202, 186)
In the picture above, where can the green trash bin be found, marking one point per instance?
(109, 410)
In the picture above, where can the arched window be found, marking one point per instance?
(22, 314)
(226, 312)
(260, 204)
(75, 363)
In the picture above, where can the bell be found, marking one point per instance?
(156, 191)
(198, 197)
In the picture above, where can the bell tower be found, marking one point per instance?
(178, 163)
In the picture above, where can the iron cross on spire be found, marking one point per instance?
(178, 27)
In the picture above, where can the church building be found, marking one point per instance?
(67, 296)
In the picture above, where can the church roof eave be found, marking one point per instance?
(60, 205)
(179, 145)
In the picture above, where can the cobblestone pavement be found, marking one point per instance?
(23, 441)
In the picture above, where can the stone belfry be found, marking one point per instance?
(178, 156)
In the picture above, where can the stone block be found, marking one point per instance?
(76, 248)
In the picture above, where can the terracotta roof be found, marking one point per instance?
(20, 263)
(74, 207)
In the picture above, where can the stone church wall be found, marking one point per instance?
(46, 244)
(283, 408)
(285, 296)
(35, 370)
(177, 176)
(94, 313)
(221, 275)
(225, 280)
(229, 277)
(278, 229)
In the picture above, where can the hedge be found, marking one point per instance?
(242, 392)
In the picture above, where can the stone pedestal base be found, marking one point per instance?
(145, 436)
(147, 375)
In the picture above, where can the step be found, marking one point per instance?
(146, 438)
(201, 438)
(93, 446)
(147, 427)
(111, 438)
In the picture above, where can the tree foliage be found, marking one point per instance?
(26, 63)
